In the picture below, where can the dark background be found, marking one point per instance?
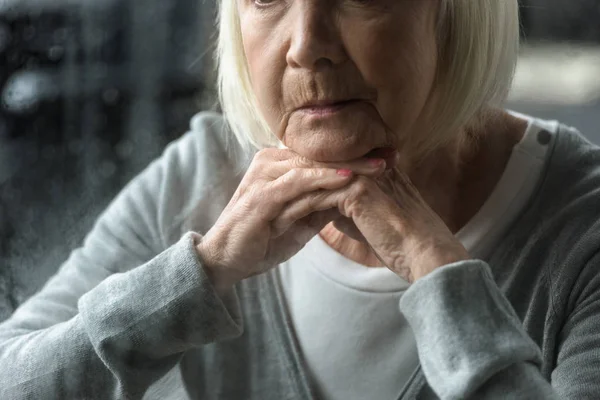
(92, 91)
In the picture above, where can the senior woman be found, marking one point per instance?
(397, 236)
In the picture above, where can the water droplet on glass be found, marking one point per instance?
(107, 169)
(55, 53)
(25, 89)
(110, 96)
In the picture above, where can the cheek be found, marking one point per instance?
(266, 72)
(401, 65)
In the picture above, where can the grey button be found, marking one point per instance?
(544, 137)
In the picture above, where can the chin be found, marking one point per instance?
(335, 140)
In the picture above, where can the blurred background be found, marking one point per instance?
(92, 90)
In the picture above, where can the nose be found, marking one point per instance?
(315, 38)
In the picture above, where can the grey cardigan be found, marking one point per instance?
(131, 313)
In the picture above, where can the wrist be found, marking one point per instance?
(216, 273)
(438, 260)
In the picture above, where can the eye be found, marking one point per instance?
(264, 3)
(363, 3)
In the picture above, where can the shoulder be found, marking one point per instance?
(570, 188)
(205, 167)
(574, 153)
(208, 144)
(567, 211)
(551, 252)
(560, 228)
(188, 186)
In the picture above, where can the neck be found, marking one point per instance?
(455, 181)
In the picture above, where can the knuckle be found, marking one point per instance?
(252, 174)
(300, 162)
(282, 154)
(362, 187)
(260, 159)
(295, 162)
(292, 176)
(359, 191)
(263, 163)
(262, 154)
(314, 173)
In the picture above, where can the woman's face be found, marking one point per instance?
(336, 79)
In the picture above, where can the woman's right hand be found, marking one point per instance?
(247, 239)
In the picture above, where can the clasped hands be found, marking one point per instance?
(284, 200)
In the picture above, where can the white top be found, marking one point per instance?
(346, 315)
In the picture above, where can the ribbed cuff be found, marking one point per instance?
(163, 307)
(466, 330)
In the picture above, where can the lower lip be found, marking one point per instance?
(328, 110)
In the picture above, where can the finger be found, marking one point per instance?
(318, 202)
(295, 160)
(267, 164)
(342, 199)
(360, 166)
(301, 181)
(273, 163)
(306, 228)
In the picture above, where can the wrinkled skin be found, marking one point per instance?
(337, 81)
(380, 52)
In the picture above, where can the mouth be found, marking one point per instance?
(328, 107)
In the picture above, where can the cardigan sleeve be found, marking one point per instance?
(471, 344)
(126, 305)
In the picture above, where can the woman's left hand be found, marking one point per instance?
(392, 217)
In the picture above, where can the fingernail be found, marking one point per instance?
(344, 172)
(376, 162)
